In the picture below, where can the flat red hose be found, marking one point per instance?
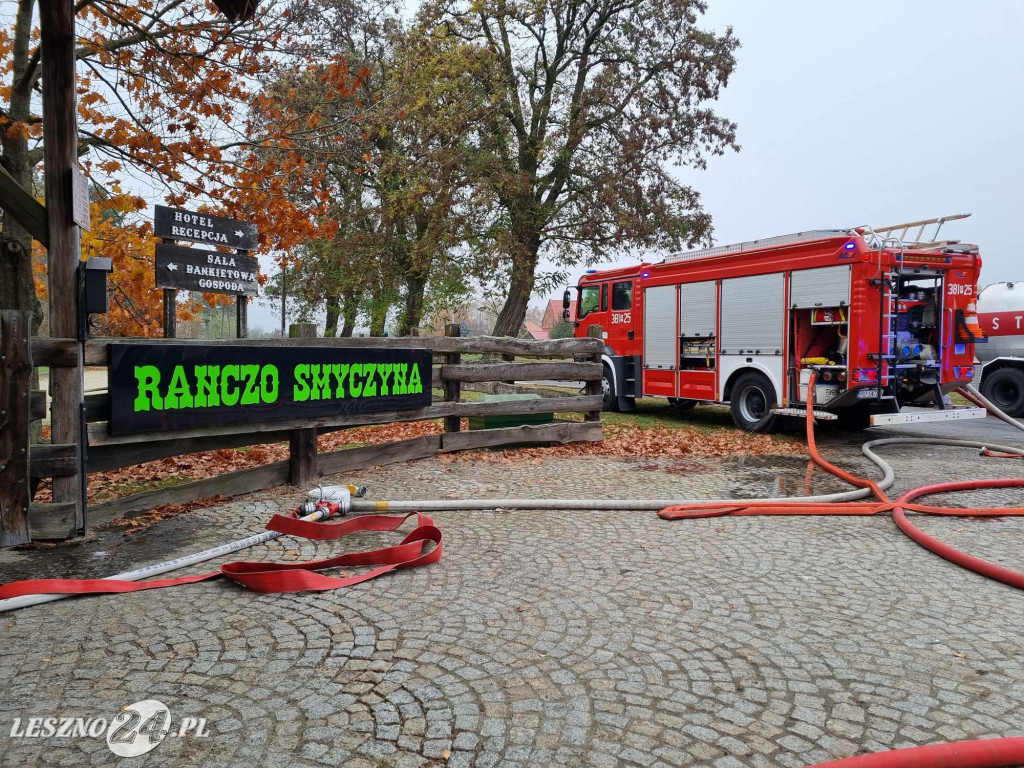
(970, 562)
(899, 508)
(986, 753)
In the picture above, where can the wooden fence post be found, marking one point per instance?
(452, 389)
(594, 387)
(302, 462)
(15, 382)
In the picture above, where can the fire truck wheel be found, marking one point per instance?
(609, 402)
(1005, 388)
(751, 403)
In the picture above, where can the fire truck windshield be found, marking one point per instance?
(590, 297)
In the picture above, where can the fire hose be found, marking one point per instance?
(21, 594)
(310, 521)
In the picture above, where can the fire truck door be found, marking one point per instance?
(752, 329)
(660, 340)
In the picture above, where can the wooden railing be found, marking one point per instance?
(451, 373)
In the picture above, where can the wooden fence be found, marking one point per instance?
(100, 451)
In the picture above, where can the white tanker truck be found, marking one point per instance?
(1001, 316)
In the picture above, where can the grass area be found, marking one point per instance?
(654, 412)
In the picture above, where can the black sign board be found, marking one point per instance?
(156, 387)
(176, 224)
(196, 269)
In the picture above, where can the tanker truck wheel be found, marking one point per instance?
(1005, 388)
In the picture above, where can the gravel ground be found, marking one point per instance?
(544, 638)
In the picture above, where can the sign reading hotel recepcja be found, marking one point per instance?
(157, 387)
(177, 224)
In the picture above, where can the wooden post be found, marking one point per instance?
(15, 382)
(594, 387)
(302, 461)
(242, 310)
(170, 317)
(452, 389)
(60, 158)
(170, 307)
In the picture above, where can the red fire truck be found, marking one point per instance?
(883, 322)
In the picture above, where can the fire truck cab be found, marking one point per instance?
(881, 324)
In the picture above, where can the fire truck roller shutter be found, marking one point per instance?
(752, 329)
(697, 308)
(823, 287)
(660, 327)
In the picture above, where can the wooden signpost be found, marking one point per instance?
(197, 269)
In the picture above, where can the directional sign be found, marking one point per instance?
(195, 269)
(176, 224)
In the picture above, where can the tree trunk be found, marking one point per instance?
(524, 267)
(349, 312)
(333, 312)
(415, 285)
(17, 289)
(380, 304)
(378, 320)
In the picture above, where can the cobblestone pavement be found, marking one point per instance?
(596, 639)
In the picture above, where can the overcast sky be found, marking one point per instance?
(871, 112)
(876, 112)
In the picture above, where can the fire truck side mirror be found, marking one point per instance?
(565, 304)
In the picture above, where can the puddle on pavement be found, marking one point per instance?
(772, 476)
(104, 552)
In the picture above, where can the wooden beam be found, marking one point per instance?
(96, 354)
(564, 432)
(301, 456)
(100, 458)
(56, 353)
(52, 521)
(452, 388)
(26, 210)
(15, 382)
(371, 455)
(53, 459)
(229, 484)
(37, 405)
(596, 333)
(98, 432)
(521, 372)
(60, 163)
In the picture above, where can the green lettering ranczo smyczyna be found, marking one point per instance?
(337, 381)
(211, 386)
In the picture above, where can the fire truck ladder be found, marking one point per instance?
(888, 281)
(919, 240)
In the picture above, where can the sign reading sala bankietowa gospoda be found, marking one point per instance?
(155, 387)
(176, 224)
(196, 269)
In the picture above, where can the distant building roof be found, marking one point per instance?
(536, 331)
(553, 313)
